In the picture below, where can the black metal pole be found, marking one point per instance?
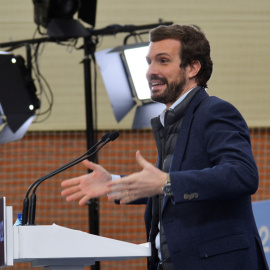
(93, 204)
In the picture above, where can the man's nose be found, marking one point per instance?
(152, 70)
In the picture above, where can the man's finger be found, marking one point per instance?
(70, 190)
(89, 165)
(141, 161)
(74, 197)
(70, 182)
(84, 200)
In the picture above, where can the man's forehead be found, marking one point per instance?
(165, 46)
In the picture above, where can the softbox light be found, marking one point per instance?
(123, 70)
(18, 100)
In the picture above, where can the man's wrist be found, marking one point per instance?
(167, 188)
(168, 178)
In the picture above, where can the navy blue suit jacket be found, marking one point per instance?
(209, 222)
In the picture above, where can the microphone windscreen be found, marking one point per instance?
(105, 137)
(114, 135)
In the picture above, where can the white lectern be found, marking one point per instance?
(56, 247)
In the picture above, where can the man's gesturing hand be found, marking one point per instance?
(146, 183)
(87, 186)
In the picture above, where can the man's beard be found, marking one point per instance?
(171, 93)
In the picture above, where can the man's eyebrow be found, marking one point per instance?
(163, 53)
(159, 54)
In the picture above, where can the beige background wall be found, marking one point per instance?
(239, 33)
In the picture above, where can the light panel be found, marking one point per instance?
(57, 16)
(135, 59)
(116, 83)
(123, 70)
(18, 100)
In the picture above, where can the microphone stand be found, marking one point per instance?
(104, 138)
(32, 210)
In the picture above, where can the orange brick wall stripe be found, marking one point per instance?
(38, 153)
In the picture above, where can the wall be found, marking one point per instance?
(238, 31)
(38, 153)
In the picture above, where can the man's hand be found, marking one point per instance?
(85, 187)
(146, 183)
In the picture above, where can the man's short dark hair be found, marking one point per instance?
(194, 46)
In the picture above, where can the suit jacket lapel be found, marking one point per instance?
(184, 132)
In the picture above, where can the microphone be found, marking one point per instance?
(110, 136)
(26, 199)
(107, 138)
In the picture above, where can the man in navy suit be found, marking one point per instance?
(198, 213)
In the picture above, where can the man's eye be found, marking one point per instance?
(163, 60)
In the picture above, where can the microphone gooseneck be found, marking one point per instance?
(26, 199)
(104, 138)
(110, 136)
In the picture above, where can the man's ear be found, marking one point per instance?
(194, 68)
